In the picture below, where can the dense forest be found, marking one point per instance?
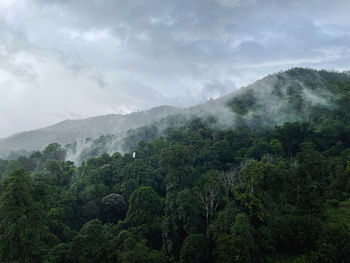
(254, 193)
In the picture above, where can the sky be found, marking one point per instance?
(71, 59)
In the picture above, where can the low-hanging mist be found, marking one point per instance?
(282, 97)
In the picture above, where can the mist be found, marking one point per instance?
(282, 97)
(77, 59)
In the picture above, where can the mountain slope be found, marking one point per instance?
(70, 130)
(303, 95)
(294, 95)
(289, 96)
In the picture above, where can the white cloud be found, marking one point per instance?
(237, 3)
(7, 3)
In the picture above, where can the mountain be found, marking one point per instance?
(295, 95)
(71, 130)
(263, 175)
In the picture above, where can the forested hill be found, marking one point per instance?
(251, 191)
(72, 130)
(294, 95)
(302, 95)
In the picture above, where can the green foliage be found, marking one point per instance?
(195, 249)
(114, 207)
(243, 103)
(209, 191)
(144, 205)
(189, 212)
(24, 235)
(255, 193)
(90, 245)
(53, 152)
(238, 245)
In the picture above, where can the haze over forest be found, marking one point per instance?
(174, 131)
(77, 59)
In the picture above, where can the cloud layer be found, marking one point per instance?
(64, 59)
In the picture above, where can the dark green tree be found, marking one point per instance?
(24, 235)
(195, 249)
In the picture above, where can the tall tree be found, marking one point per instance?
(23, 233)
(209, 190)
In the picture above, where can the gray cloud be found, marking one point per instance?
(77, 58)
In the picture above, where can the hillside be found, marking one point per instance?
(294, 95)
(303, 95)
(71, 130)
(251, 189)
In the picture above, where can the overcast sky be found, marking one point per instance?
(69, 59)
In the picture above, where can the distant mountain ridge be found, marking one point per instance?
(288, 96)
(68, 131)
